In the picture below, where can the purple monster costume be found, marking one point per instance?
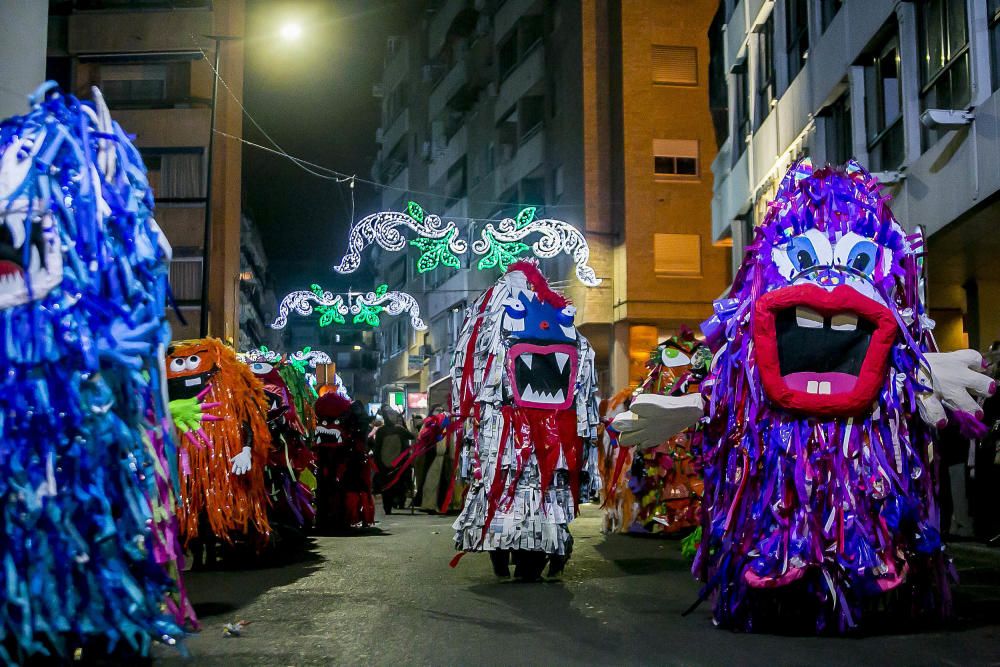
(819, 462)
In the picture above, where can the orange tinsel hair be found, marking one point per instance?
(231, 503)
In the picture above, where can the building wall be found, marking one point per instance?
(947, 184)
(22, 50)
(132, 50)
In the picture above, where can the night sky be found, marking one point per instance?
(314, 97)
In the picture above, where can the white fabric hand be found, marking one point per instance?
(242, 462)
(652, 419)
(956, 379)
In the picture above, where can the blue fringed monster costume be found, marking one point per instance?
(88, 544)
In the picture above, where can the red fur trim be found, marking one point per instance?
(539, 283)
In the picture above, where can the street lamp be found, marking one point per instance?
(290, 32)
(206, 252)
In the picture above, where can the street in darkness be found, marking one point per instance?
(389, 597)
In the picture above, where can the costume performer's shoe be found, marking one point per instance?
(501, 563)
(528, 565)
(557, 564)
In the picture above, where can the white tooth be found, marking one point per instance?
(530, 395)
(844, 322)
(192, 382)
(561, 359)
(812, 387)
(560, 397)
(36, 261)
(569, 332)
(528, 360)
(808, 318)
(824, 387)
(15, 223)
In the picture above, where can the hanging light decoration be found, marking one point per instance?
(366, 308)
(261, 354)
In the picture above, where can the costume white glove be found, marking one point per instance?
(956, 379)
(242, 462)
(653, 419)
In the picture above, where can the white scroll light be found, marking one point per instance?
(365, 307)
(501, 245)
(382, 228)
(261, 354)
(311, 357)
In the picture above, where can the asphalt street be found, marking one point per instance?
(389, 597)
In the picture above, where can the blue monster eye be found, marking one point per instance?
(566, 315)
(516, 310)
(802, 253)
(862, 257)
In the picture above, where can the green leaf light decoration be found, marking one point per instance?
(435, 251)
(500, 254)
(415, 211)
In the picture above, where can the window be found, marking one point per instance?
(531, 28)
(837, 128)
(532, 192)
(718, 93)
(395, 103)
(827, 11)
(456, 185)
(765, 70)
(883, 107)
(134, 84)
(741, 110)
(944, 71)
(507, 55)
(675, 65)
(677, 255)
(993, 21)
(175, 173)
(674, 158)
(531, 115)
(797, 32)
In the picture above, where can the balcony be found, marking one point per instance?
(528, 158)
(167, 128)
(454, 150)
(527, 76)
(137, 31)
(507, 15)
(395, 132)
(450, 18)
(446, 89)
(397, 67)
(395, 189)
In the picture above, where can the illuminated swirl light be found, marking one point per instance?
(366, 307)
(261, 354)
(302, 302)
(501, 245)
(311, 357)
(383, 228)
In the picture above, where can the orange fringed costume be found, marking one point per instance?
(212, 495)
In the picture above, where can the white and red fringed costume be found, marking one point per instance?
(525, 401)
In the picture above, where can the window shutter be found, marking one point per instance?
(677, 255)
(675, 65)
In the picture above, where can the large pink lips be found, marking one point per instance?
(543, 376)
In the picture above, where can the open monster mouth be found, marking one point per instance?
(188, 386)
(543, 376)
(331, 435)
(41, 268)
(822, 352)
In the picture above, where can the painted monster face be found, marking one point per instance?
(334, 419)
(824, 333)
(189, 369)
(542, 353)
(30, 251)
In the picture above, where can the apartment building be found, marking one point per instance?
(909, 88)
(151, 60)
(596, 113)
(257, 298)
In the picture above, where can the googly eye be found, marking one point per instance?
(177, 365)
(566, 315)
(260, 368)
(672, 357)
(192, 362)
(857, 253)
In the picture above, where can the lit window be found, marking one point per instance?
(944, 71)
(883, 106)
(675, 65)
(675, 158)
(677, 255)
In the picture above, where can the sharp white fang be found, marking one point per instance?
(528, 360)
(824, 387)
(844, 322)
(560, 397)
(808, 318)
(569, 332)
(812, 387)
(15, 223)
(561, 359)
(36, 261)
